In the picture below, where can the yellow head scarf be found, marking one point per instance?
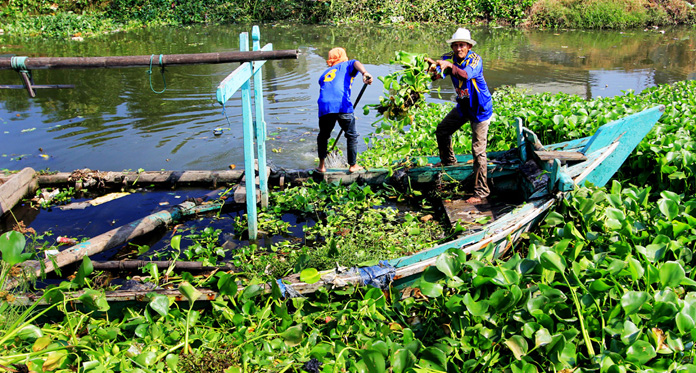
(336, 55)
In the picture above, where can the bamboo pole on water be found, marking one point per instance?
(34, 63)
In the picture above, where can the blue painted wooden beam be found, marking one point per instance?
(248, 130)
(631, 130)
(259, 122)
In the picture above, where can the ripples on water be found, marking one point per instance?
(113, 121)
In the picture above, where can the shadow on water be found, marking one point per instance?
(112, 120)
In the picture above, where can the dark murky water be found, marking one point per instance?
(113, 121)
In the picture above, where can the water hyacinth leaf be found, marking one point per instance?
(684, 323)
(402, 360)
(160, 303)
(475, 308)
(380, 346)
(434, 359)
(252, 291)
(30, 332)
(293, 335)
(518, 345)
(176, 242)
(83, 271)
(54, 360)
(635, 268)
(669, 208)
(310, 276)
(374, 360)
(630, 333)
(542, 337)
(146, 358)
(11, 246)
(640, 352)
(671, 274)
(632, 301)
(553, 219)
(41, 343)
(190, 292)
(227, 285)
(94, 300)
(430, 289)
(552, 261)
(600, 285)
(448, 264)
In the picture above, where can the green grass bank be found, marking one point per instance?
(63, 18)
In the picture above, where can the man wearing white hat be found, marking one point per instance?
(474, 105)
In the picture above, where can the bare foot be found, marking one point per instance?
(475, 200)
(322, 165)
(354, 168)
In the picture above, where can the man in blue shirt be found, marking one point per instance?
(474, 105)
(334, 104)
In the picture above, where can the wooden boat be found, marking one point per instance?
(538, 175)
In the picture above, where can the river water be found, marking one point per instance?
(112, 120)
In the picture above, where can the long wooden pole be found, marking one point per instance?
(129, 265)
(34, 63)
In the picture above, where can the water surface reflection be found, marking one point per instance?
(113, 121)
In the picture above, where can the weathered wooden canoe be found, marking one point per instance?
(539, 175)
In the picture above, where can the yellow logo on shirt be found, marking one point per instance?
(330, 75)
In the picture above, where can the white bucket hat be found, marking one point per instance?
(462, 34)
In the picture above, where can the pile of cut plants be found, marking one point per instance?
(605, 284)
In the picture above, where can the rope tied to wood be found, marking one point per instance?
(149, 73)
(19, 63)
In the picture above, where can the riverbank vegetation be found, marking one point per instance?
(606, 284)
(64, 18)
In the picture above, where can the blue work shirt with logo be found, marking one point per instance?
(473, 96)
(334, 88)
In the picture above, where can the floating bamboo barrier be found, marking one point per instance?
(33, 63)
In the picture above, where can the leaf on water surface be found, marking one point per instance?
(374, 361)
(518, 345)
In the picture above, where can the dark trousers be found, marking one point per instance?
(448, 126)
(347, 123)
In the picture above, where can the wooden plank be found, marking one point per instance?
(562, 156)
(17, 187)
(233, 82)
(34, 63)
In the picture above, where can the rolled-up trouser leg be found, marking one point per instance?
(479, 133)
(449, 125)
(326, 125)
(347, 122)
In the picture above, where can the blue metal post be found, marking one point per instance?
(260, 123)
(248, 129)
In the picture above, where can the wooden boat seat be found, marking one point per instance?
(545, 156)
